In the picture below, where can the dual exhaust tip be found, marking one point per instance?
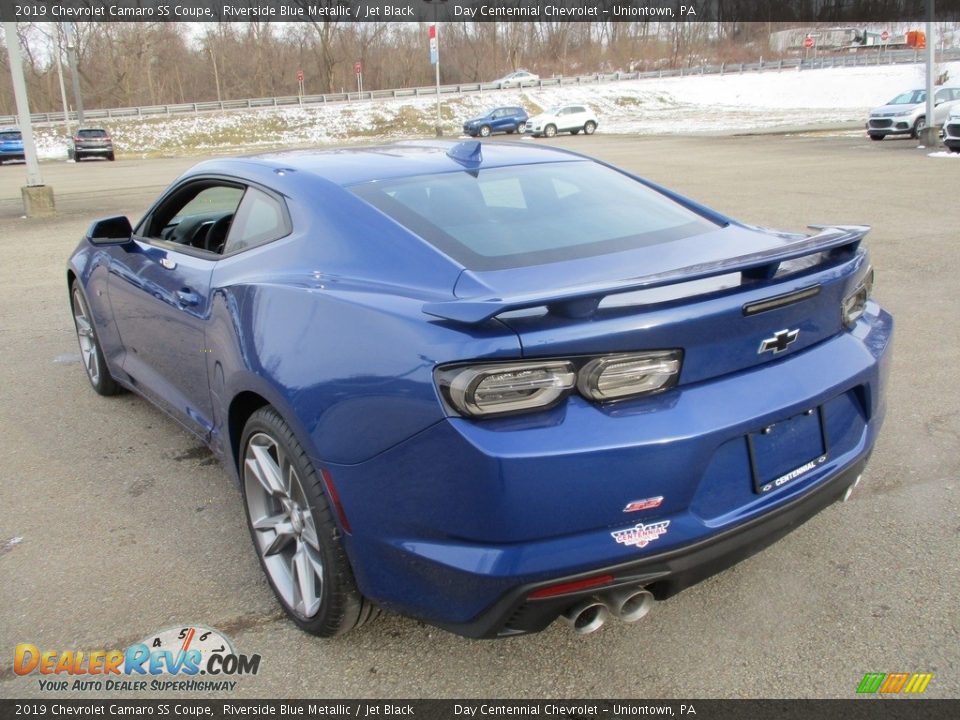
(627, 604)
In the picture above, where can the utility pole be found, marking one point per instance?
(72, 60)
(37, 197)
(63, 89)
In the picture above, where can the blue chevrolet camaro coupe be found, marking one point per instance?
(489, 385)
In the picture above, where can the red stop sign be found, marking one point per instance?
(357, 67)
(884, 36)
(808, 42)
(299, 75)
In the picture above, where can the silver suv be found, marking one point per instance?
(906, 114)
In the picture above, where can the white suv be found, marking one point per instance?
(906, 114)
(566, 118)
(951, 130)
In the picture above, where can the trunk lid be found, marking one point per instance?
(718, 297)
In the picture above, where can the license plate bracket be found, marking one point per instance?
(786, 450)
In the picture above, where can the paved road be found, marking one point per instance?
(128, 526)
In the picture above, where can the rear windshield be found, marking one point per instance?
(92, 133)
(10, 135)
(532, 214)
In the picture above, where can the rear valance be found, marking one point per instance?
(581, 300)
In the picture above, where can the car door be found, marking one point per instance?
(159, 289)
(499, 121)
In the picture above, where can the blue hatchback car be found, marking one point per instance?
(11, 145)
(488, 386)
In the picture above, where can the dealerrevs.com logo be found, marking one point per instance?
(189, 658)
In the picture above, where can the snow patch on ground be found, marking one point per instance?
(733, 102)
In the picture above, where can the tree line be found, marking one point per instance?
(131, 64)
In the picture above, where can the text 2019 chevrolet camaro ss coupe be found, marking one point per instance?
(489, 385)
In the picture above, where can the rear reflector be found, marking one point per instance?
(575, 586)
(335, 499)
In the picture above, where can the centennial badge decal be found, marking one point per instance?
(641, 535)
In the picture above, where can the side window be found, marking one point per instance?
(197, 215)
(260, 219)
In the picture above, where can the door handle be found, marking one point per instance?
(187, 297)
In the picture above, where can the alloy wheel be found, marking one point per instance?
(284, 527)
(88, 343)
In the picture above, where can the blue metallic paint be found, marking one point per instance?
(448, 514)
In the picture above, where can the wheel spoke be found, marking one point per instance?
(266, 470)
(309, 533)
(306, 581)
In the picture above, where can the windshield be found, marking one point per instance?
(532, 214)
(10, 135)
(909, 98)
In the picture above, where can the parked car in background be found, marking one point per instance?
(511, 383)
(499, 120)
(951, 131)
(90, 142)
(11, 145)
(519, 78)
(566, 118)
(906, 114)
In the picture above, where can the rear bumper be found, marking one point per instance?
(459, 523)
(664, 574)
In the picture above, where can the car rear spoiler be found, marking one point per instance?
(583, 300)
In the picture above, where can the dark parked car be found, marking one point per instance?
(90, 142)
(498, 120)
(11, 145)
(489, 384)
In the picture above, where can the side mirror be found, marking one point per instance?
(110, 231)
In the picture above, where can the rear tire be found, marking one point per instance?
(550, 131)
(90, 352)
(294, 531)
(590, 127)
(111, 157)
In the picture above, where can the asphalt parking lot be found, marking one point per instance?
(114, 523)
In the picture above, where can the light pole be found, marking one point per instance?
(37, 197)
(435, 60)
(930, 137)
(72, 61)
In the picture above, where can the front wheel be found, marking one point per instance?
(294, 531)
(876, 137)
(90, 352)
(484, 131)
(111, 157)
(590, 127)
(550, 131)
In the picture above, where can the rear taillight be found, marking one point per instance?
(490, 389)
(855, 303)
(496, 389)
(620, 376)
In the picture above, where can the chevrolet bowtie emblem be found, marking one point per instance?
(781, 340)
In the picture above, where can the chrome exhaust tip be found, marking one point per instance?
(849, 492)
(630, 604)
(586, 617)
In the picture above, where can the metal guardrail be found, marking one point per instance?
(854, 60)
